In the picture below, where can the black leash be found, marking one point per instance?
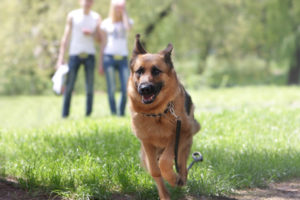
(177, 137)
(178, 128)
(197, 156)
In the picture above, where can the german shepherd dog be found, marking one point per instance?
(157, 100)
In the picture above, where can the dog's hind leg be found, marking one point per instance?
(150, 160)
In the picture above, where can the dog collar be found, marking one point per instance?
(170, 107)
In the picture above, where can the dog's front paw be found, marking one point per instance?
(180, 181)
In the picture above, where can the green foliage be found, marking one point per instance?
(249, 137)
(33, 30)
(233, 33)
(250, 70)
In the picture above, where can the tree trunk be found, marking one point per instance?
(203, 55)
(294, 71)
(150, 27)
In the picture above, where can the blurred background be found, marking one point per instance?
(248, 49)
(218, 43)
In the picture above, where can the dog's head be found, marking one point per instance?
(150, 73)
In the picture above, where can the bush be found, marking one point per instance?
(220, 72)
(250, 70)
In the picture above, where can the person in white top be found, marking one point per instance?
(115, 29)
(82, 28)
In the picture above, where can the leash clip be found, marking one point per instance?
(172, 111)
(197, 157)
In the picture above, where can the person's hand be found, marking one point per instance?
(101, 69)
(87, 31)
(58, 64)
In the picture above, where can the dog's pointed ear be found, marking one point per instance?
(167, 54)
(138, 48)
(168, 50)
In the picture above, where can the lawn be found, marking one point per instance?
(250, 137)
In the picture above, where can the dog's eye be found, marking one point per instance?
(155, 71)
(140, 71)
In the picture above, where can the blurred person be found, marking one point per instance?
(82, 28)
(115, 29)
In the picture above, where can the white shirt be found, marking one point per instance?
(116, 37)
(81, 43)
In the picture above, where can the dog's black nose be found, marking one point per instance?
(146, 88)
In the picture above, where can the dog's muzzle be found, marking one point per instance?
(148, 91)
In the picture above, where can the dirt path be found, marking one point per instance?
(277, 191)
(9, 190)
(289, 190)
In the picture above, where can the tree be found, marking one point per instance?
(281, 34)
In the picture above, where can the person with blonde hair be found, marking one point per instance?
(82, 28)
(115, 28)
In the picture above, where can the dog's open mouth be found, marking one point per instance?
(148, 98)
(149, 91)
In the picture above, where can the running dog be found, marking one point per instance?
(157, 102)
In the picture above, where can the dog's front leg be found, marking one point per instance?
(183, 154)
(166, 166)
(152, 166)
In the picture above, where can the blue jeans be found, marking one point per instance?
(89, 66)
(111, 64)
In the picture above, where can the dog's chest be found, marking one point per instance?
(156, 130)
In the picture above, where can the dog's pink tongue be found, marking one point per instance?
(148, 97)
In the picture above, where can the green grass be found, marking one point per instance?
(250, 136)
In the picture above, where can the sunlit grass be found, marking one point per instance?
(249, 137)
